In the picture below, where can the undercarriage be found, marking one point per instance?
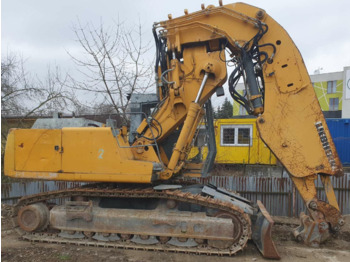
(192, 219)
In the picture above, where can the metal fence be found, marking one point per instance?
(11, 192)
(277, 193)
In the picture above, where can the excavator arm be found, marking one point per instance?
(191, 65)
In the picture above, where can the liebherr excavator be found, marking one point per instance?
(141, 197)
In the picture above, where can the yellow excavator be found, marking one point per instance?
(141, 195)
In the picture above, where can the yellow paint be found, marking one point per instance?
(35, 150)
(328, 188)
(187, 78)
(306, 187)
(256, 153)
(97, 177)
(84, 154)
(195, 151)
(291, 109)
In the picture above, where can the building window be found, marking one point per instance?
(236, 135)
(334, 104)
(332, 87)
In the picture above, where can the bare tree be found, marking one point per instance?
(13, 85)
(23, 95)
(113, 66)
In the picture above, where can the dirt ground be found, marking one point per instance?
(15, 249)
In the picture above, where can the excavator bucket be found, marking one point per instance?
(262, 226)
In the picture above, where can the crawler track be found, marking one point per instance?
(117, 191)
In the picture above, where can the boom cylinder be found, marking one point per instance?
(255, 94)
(185, 132)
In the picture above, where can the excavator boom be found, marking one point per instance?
(279, 93)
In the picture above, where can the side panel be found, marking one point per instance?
(89, 150)
(86, 154)
(37, 150)
(94, 154)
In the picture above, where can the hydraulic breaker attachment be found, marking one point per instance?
(261, 232)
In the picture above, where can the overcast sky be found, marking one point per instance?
(41, 30)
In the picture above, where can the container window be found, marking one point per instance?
(236, 135)
(228, 136)
(243, 136)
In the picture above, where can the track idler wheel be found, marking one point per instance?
(33, 217)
